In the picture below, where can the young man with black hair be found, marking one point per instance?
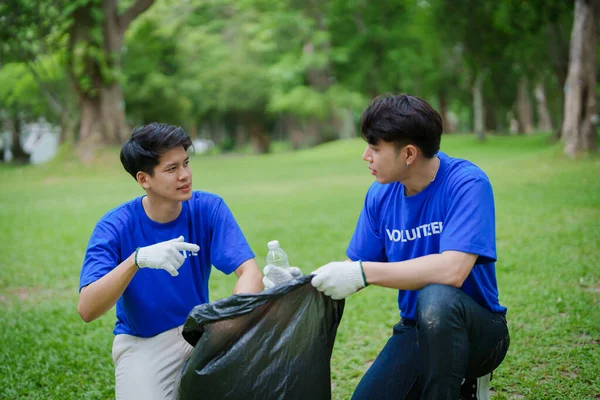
(427, 228)
(152, 257)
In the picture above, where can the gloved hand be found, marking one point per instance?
(340, 279)
(164, 255)
(275, 276)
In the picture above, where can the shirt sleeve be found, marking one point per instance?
(470, 225)
(228, 247)
(367, 243)
(101, 256)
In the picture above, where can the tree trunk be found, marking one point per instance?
(18, 153)
(489, 106)
(241, 135)
(578, 128)
(524, 110)
(558, 48)
(260, 141)
(193, 130)
(444, 111)
(68, 124)
(99, 94)
(513, 125)
(319, 78)
(478, 111)
(544, 120)
(294, 130)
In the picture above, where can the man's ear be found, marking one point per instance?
(143, 179)
(411, 153)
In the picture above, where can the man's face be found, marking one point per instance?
(172, 178)
(385, 162)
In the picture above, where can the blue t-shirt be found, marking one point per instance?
(454, 212)
(154, 301)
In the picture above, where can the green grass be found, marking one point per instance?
(548, 230)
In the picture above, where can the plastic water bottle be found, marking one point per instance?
(276, 256)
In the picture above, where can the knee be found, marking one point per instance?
(436, 306)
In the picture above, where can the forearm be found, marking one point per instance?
(249, 278)
(100, 296)
(449, 268)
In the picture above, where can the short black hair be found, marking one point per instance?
(147, 143)
(402, 119)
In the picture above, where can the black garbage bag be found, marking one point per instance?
(272, 345)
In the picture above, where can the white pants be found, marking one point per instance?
(149, 368)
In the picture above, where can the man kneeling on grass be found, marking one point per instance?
(152, 256)
(427, 228)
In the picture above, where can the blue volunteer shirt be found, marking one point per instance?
(155, 301)
(454, 212)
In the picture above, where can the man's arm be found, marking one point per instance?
(448, 268)
(100, 296)
(468, 235)
(342, 279)
(249, 278)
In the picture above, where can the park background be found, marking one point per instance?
(272, 92)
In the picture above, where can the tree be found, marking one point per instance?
(511, 41)
(151, 67)
(11, 107)
(92, 33)
(95, 43)
(33, 79)
(471, 26)
(539, 49)
(579, 126)
(225, 54)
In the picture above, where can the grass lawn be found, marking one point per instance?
(548, 233)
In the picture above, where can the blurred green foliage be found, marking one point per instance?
(231, 70)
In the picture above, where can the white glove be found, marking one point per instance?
(164, 255)
(340, 279)
(275, 276)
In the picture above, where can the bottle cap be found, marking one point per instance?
(273, 244)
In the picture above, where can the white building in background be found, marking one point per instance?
(41, 141)
(38, 139)
(201, 146)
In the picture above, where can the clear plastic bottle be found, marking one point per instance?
(276, 256)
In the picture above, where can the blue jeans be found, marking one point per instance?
(453, 338)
